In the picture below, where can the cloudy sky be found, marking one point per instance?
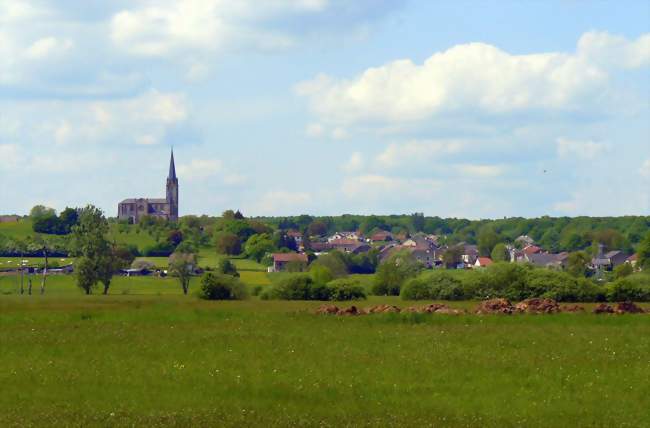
(451, 108)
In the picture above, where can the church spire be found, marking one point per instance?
(172, 167)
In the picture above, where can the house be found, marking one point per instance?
(470, 254)
(9, 218)
(281, 260)
(531, 249)
(632, 260)
(483, 262)
(320, 247)
(297, 237)
(426, 257)
(344, 235)
(547, 260)
(344, 244)
(420, 242)
(616, 257)
(381, 236)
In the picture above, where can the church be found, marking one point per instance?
(134, 209)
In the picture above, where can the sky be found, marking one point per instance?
(282, 107)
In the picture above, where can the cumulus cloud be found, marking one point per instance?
(375, 186)
(645, 169)
(475, 76)
(402, 154)
(581, 149)
(47, 47)
(480, 171)
(199, 169)
(611, 50)
(355, 163)
(283, 201)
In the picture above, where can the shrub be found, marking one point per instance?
(160, 249)
(346, 289)
(394, 272)
(226, 267)
(291, 287)
(320, 274)
(221, 287)
(434, 285)
(633, 287)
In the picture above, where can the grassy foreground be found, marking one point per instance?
(164, 359)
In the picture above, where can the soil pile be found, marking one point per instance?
(352, 310)
(538, 306)
(572, 308)
(603, 308)
(383, 309)
(628, 308)
(495, 306)
(327, 310)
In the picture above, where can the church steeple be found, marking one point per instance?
(172, 190)
(172, 168)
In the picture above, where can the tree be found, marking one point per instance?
(227, 243)
(623, 270)
(317, 228)
(40, 211)
(175, 237)
(335, 262)
(643, 253)
(500, 253)
(90, 243)
(221, 287)
(392, 274)
(67, 219)
(487, 239)
(578, 263)
(452, 256)
(257, 246)
(181, 265)
(226, 267)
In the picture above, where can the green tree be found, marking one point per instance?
(221, 287)
(90, 243)
(500, 253)
(227, 243)
(257, 246)
(335, 262)
(181, 265)
(452, 256)
(487, 239)
(578, 263)
(623, 270)
(226, 267)
(643, 253)
(392, 273)
(317, 228)
(320, 274)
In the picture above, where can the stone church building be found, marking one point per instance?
(135, 208)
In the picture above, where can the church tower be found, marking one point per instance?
(172, 190)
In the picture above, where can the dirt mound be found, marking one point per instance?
(572, 308)
(327, 310)
(494, 306)
(412, 309)
(538, 306)
(433, 307)
(628, 308)
(603, 308)
(448, 311)
(382, 309)
(352, 310)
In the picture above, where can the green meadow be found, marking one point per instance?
(148, 356)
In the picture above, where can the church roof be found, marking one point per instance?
(172, 168)
(149, 200)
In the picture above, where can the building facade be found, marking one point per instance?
(134, 209)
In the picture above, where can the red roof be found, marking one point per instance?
(290, 257)
(632, 258)
(484, 261)
(344, 241)
(532, 249)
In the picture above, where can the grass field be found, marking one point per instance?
(148, 356)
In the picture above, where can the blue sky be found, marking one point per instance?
(463, 108)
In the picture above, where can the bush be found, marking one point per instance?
(291, 287)
(437, 285)
(160, 249)
(226, 267)
(634, 287)
(345, 289)
(394, 272)
(221, 287)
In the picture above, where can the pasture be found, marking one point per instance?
(147, 356)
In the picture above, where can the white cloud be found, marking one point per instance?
(10, 156)
(283, 201)
(376, 186)
(474, 76)
(480, 171)
(47, 47)
(200, 169)
(615, 51)
(586, 150)
(402, 154)
(146, 140)
(339, 133)
(645, 169)
(314, 130)
(355, 163)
